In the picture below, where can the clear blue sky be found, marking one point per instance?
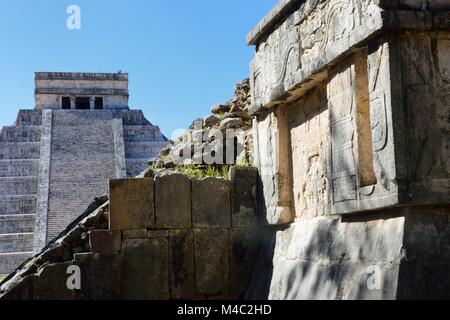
(182, 55)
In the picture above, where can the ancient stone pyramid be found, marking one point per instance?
(59, 156)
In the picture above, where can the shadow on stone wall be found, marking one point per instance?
(398, 253)
(168, 237)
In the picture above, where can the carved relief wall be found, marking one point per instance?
(387, 102)
(310, 138)
(306, 41)
(362, 181)
(266, 157)
(425, 86)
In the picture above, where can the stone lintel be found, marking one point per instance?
(92, 76)
(281, 10)
(83, 92)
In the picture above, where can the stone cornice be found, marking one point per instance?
(83, 92)
(302, 8)
(81, 76)
(281, 10)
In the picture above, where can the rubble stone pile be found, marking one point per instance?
(224, 137)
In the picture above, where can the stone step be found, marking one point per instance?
(136, 166)
(135, 118)
(20, 204)
(29, 118)
(19, 150)
(16, 242)
(73, 118)
(146, 150)
(142, 133)
(19, 167)
(17, 223)
(21, 134)
(10, 261)
(18, 186)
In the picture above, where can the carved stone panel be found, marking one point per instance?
(272, 159)
(424, 66)
(309, 131)
(341, 104)
(305, 41)
(361, 182)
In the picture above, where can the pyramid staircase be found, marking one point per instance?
(19, 169)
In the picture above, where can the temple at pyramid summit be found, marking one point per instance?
(59, 156)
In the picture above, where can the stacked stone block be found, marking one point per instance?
(166, 238)
(19, 169)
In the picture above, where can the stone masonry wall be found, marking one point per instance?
(157, 238)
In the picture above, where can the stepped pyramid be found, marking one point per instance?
(60, 156)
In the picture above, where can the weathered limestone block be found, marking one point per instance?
(422, 274)
(335, 259)
(361, 174)
(212, 264)
(407, 249)
(134, 234)
(152, 234)
(181, 259)
(309, 144)
(272, 159)
(51, 283)
(132, 204)
(211, 203)
(101, 241)
(100, 275)
(145, 269)
(243, 196)
(173, 202)
(423, 97)
(244, 249)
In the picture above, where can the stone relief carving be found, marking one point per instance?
(378, 112)
(341, 104)
(301, 41)
(337, 27)
(276, 63)
(425, 100)
(314, 184)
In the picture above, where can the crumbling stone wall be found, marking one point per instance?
(157, 238)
